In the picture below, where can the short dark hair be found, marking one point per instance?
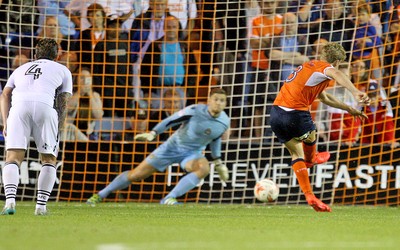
(217, 91)
(47, 48)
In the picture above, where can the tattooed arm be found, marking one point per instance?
(62, 108)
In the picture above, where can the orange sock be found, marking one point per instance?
(300, 169)
(309, 151)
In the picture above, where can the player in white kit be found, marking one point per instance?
(34, 104)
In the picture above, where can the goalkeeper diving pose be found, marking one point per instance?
(291, 120)
(200, 125)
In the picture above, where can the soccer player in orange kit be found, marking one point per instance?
(291, 120)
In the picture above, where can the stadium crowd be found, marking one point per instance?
(135, 52)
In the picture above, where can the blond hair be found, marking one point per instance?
(332, 52)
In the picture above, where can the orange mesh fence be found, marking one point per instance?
(128, 79)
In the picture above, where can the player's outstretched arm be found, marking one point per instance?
(332, 101)
(344, 81)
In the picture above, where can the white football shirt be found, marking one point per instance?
(39, 81)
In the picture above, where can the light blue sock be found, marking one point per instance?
(120, 182)
(185, 185)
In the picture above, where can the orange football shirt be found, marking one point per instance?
(304, 85)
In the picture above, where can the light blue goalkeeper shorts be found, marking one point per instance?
(167, 154)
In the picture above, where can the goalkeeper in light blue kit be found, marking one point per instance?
(200, 125)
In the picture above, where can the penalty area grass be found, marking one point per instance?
(122, 226)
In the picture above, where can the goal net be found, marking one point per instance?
(246, 47)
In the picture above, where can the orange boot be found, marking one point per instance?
(317, 204)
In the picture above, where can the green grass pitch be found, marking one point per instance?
(123, 226)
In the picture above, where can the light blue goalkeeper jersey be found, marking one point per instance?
(198, 129)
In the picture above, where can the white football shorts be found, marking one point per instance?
(33, 119)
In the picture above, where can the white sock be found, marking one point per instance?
(46, 180)
(10, 181)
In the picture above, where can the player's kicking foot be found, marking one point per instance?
(41, 211)
(8, 210)
(318, 205)
(169, 201)
(94, 200)
(320, 157)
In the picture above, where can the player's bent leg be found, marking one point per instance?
(141, 172)
(201, 167)
(198, 168)
(311, 156)
(123, 181)
(120, 182)
(10, 178)
(319, 158)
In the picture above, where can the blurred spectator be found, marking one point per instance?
(327, 20)
(51, 29)
(171, 102)
(288, 49)
(309, 14)
(360, 76)
(3, 21)
(89, 38)
(362, 79)
(336, 125)
(384, 9)
(84, 108)
(168, 63)
(78, 10)
(18, 23)
(264, 27)
(146, 28)
(316, 47)
(395, 103)
(392, 56)
(335, 26)
(374, 18)
(223, 61)
(367, 42)
(20, 17)
(112, 72)
(184, 10)
(233, 15)
(379, 128)
(18, 61)
(243, 75)
(56, 8)
(70, 60)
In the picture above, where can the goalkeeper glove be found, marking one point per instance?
(221, 169)
(146, 136)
